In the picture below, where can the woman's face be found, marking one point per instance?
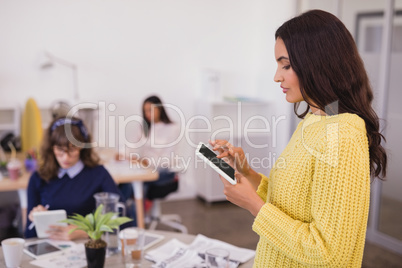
(66, 157)
(285, 74)
(152, 113)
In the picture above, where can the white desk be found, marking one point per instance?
(117, 261)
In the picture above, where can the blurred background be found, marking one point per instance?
(205, 58)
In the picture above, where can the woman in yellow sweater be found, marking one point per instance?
(312, 209)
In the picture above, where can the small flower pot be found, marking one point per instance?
(95, 257)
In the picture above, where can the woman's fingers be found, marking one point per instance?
(58, 232)
(226, 183)
(223, 147)
(30, 216)
(238, 177)
(226, 147)
(240, 158)
(216, 147)
(234, 155)
(222, 144)
(36, 209)
(54, 229)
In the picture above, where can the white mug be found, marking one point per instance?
(12, 251)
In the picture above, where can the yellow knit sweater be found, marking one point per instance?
(317, 197)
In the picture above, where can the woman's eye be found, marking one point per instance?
(287, 67)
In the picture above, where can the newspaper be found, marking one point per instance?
(177, 254)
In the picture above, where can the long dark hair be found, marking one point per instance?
(325, 58)
(155, 100)
(56, 135)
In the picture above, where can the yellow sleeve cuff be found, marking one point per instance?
(263, 187)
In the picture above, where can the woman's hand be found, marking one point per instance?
(63, 232)
(235, 155)
(237, 159)
(36, 209)
(242, 194)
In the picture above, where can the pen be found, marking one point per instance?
(31, 226)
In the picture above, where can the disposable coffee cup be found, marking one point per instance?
(133, 243)
(12, 251)
(14, 167)
(128, 236)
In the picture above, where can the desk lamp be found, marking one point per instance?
(49, 61)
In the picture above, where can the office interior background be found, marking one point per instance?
(195, 55)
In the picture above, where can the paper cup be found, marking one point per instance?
(133, 242)
(128, 236)
(14, 167)
(12, 251)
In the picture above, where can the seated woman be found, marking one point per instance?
(69, 175)
(159, 141)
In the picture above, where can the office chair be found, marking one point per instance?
(155, 194)
(10, 215)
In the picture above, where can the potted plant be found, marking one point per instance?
(95, 225)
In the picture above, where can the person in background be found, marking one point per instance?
(68, 176)
(312, 209)
(159, 140)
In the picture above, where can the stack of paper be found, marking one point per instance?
(177, 254)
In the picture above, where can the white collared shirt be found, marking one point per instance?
(160, 147)
(72, 171)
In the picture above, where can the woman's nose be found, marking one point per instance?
(277, 77)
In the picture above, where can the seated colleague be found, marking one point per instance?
(69, 175)
(158, 137)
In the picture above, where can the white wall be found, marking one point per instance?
(126, 50)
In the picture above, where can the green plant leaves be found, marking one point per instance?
(116, 222)
(90, 219)
(96, 224)
(105, 228)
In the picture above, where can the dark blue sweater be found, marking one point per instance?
(74, 195)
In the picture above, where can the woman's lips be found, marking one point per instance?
(284, 90)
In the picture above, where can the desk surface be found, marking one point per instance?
(116, 260)
(121, 172)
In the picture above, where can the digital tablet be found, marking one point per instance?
(41, 249)
(43, 219)
(152, 239)
(218, 164)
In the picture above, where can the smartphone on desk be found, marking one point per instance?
(217, 164)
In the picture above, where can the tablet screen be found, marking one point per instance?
(220, 163)
(41, 248)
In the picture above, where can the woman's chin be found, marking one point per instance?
(291, 99)
(65, 166)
